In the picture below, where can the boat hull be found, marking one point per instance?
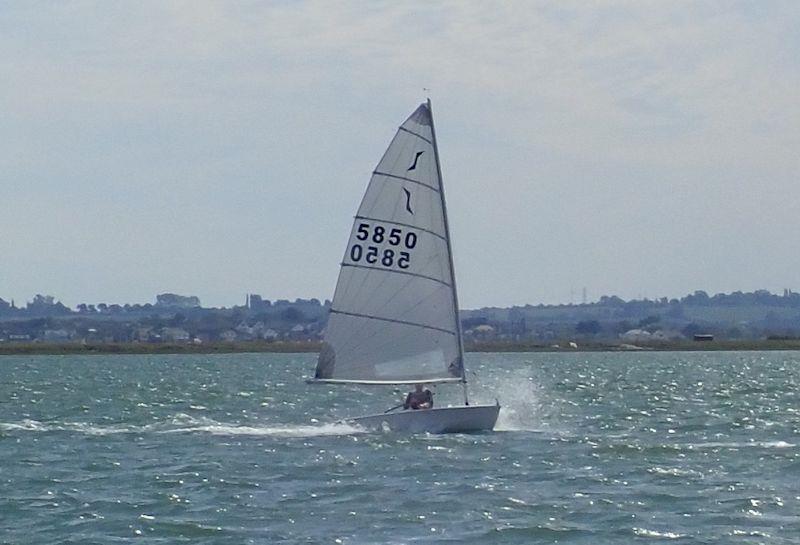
(462, 419)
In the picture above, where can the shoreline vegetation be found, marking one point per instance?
(179, 324)
(41, 348)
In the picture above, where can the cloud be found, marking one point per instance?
(634, 115)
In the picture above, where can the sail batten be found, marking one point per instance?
(401, 225)
(415, 134)
(416, 275)
(405, 179)
(393, 320)
(394, 317)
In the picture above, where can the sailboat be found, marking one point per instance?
(394, 314)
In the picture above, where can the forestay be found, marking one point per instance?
(394, 313)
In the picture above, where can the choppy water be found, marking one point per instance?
(591, 448)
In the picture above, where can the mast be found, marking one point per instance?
(450, 255)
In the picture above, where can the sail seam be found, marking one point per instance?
(417, 275)
(404, 322)
(403, 178)
(434, 233)
(416, 134)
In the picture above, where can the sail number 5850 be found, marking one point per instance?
(388, 257)
(394, 237)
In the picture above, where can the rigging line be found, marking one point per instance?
(404, 179)
(400, 223)
(415, 134)
(390, 320)
(395, 271)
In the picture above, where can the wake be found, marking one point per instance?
(186, 424)
(279, 430)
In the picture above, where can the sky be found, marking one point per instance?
(636, 148)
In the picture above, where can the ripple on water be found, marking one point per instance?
(594, 448)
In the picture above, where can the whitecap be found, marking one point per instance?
(644, 532)
(24, 425)
(674, 472)
(752, 444)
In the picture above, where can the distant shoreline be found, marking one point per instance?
(10, 349)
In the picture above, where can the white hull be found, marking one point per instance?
(463, 419)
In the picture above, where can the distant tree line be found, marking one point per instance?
(736, 315)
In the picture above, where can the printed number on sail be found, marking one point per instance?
(385, 246)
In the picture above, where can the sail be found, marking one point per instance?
(393, 318)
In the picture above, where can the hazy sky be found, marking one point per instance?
(218, 148)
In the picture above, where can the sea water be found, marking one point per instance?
(590, 448)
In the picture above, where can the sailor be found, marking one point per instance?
(418, 399)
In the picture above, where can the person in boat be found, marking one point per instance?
(418, 399)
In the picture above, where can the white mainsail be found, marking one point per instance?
(394, 315)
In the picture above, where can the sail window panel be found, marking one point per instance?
(396, 297)
(365, 349)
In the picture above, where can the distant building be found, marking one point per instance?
(175, 335)
(143, 334)
(244, 332)
(482, 332)
(179, 301)
(56, 335)
(256, 303)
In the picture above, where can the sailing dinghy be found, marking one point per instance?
(394, 315)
